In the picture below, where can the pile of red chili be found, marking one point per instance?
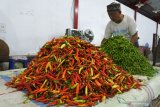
(70, 71)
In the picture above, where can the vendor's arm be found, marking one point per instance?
(133, 30)
(134, 38)
(107, 33)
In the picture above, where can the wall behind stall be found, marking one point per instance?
(146, 28)
(27, 24)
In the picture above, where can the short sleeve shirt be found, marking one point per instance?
(125, 28)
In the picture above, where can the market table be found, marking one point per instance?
(150, 90)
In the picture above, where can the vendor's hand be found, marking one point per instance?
(134, 38)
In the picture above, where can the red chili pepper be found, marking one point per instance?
(39, 90)
(84, 97)
(77, 89)
(129, 79)
(76, 55)
(64, 74)
(71, 103)
(94, 99)
(53, 103)
(103, 71)
(28, 87)
(50, 77)
(89, 86)
(82, 105)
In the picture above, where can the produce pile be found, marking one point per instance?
(127, 56)
(70, 71)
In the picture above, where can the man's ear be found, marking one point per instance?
(120, 12)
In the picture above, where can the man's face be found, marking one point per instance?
(115, 16)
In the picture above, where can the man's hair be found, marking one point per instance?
(113, 7)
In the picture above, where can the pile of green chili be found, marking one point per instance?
(127, 56)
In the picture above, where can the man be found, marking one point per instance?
(120, 24)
